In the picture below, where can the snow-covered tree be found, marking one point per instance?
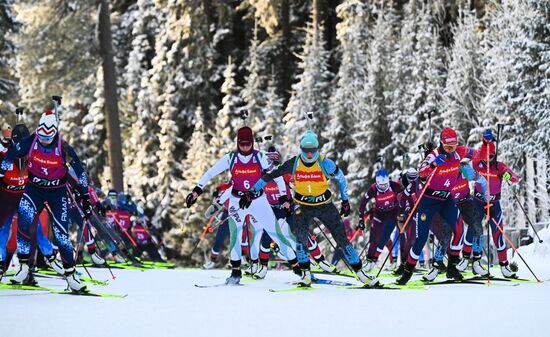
(417, 83)
(93, 136)
(139, 157)
(464, 90)
(273, 115)
(371, 134)
(228, 119)
(253, 93)
(56, 52)
(310, 93)
(517, 80)
(347, 103)
(8, 24)
(180, 81)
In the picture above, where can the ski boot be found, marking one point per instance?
(369, 265)
(462, 265)
(209, 265)
(477, 268)
(452, 272)
(261, 272)
(507, 270)
(437, 267)
(252, 268)
(97, 260)
(74, 281)
(53, 263)
(235, 277)
(118, 258)
(407, 274)
(23, 276)
(393, 265)
(305, 281)
(329, 268)
(400, 269)
(366, 279)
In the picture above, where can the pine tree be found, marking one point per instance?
(371, 136)
(464, 90)
(56, 53)
(253, 93)
(310, 93)
(347, 104)
(93, 137)
(228, 118)
(401, 86)
(142, 122)
(273, 114)
(8, 24)
(186, 59)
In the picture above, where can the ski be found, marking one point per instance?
(82, 278)
(217, 285)
(389, 286)
(58, 292)
(463, 281)
(297, 288)
(86, 293)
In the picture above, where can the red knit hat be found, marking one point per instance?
(245, 136)
(449, 137)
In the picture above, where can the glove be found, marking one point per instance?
(400, 221)
(361, 225)
(245, 200)
(77, 195)
(192, 197)
(87, 208)
(440, 159)
(506, 176)
(285, 204)
(345, 208)
(211, 211)
(100, 208)
(488, 136)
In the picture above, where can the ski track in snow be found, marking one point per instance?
(166, 302)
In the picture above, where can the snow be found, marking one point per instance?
(166, 303)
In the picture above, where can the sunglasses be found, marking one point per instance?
(309, 150)
(449, 148)
(45, 138)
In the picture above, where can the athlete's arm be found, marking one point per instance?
(221, 166)
(335, 173)
(280, 171)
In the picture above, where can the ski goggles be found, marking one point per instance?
(45, 138)
(309, 154)
(449, 148)
(308, 150)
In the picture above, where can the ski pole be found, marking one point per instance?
(334, 247)
(77, 250)
(202, 234)
(56, 104)
(514, 248)
(524, 212)
(125, 232)
(413, 211)
(88, 222)
(488, 208)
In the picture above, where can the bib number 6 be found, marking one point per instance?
(246, 184)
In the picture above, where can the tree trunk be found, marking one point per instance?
(286, 71)
(111, 103)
